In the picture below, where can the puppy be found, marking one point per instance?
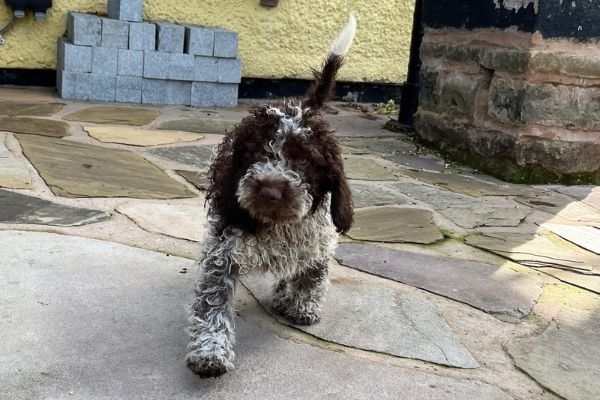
(277, 200)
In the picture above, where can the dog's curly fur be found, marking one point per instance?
(277, 199)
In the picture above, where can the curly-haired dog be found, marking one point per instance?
(277, 196)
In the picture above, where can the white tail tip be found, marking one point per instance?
(343, 41)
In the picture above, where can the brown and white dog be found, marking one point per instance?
(277, 199)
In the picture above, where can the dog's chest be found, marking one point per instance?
(284, 249)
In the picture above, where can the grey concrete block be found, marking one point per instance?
(206, 69)
(142, 36)
(226, 43)
(84, 29)
(125, 10)
(128, 89)
(181, 67)
(104, 60)
(73, 58)
(226, 95)
(203, 94)
(159, 91)
(170, 37)
(102, 87)
(199, 40)
(73, 85)
(156, 64)
(209, 94)
(230, 70)
(131, 62)
(115, 33)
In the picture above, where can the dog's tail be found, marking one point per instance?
(321, 90)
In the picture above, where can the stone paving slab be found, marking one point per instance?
(487, 212)
(490, 288)
(86, 319)
(184, 221)
(138, 137)
(395, 225)
(436, 197)
(403, 326)
(201, 125)
(19, 109)
(13, 172)
(425, 162)
(114, 115)
(16, 208)
(565, 358)
(465, 184)
(198, 179)
(377, 145)
(579, 192)
(196, 156)
(355, 124)
(34, 126)
(369, 195)
(536, 250)
(74, 169)
(587, 237)
(366, 169)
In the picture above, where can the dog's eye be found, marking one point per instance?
(302, 163)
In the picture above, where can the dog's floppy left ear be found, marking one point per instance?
(341, 198)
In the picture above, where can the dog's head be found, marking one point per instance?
(276, 167)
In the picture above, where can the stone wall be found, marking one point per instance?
(517, 102)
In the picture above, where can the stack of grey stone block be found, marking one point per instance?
(123, 59)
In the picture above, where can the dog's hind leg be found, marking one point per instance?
(298, 299)
(210, 351)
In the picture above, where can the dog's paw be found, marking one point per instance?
(208, 367)
(296, 312)
(209, 360)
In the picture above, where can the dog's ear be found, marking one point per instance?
(223, 175)
(341, 197)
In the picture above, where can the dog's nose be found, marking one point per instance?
(270, 194)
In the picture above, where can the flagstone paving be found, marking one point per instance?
(471, 292)
(377, 145)
(366, 169)
(196, 178)
(138, 137)
(16, 208)
(200, 125)
(82, 170)
(19, 109)
(395, 224)
(465, 184)
(495, 289)
(347, 318)
(13, 172)
(196, 156)
(34, 126)
(367, 194)
(114, 115)
(419, 162)
(172, 219)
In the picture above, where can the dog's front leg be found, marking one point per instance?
(210, 351)
(298, 299)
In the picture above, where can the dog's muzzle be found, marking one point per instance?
(273, 193)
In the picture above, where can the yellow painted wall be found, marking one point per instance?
(284, 41)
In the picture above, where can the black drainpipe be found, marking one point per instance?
(410, 90)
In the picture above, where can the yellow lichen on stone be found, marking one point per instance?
(280, 42)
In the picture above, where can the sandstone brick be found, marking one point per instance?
(505, 101)
(506, 60)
